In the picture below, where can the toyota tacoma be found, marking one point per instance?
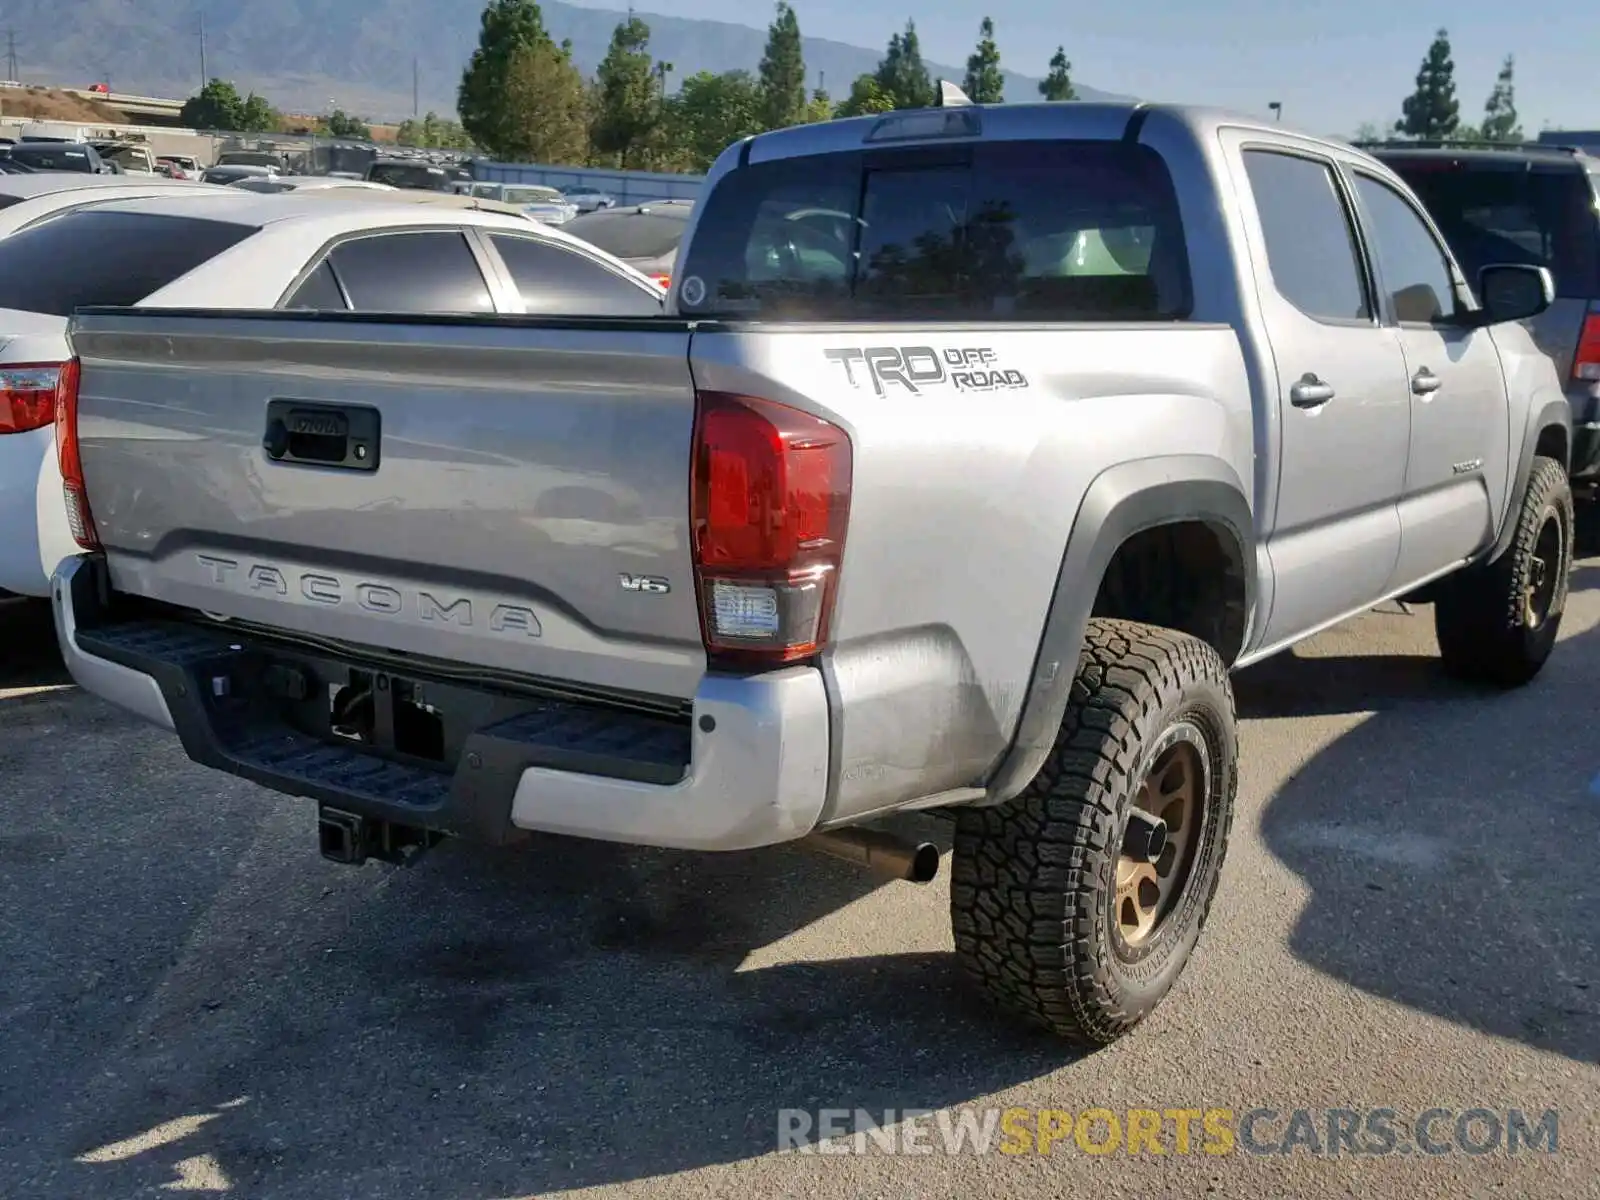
(976, 448)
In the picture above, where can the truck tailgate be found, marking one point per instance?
(509, 494)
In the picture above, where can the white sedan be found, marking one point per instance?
(226, 248)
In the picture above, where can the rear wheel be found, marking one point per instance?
(1497, 623)
(1078, 903)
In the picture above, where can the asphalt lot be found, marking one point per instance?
(192, 1001)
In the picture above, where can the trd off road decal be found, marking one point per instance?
(916, 368)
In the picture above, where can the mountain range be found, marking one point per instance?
(371, 57)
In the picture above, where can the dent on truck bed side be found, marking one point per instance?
(1122, 501)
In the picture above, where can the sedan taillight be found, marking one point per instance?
(28, 395)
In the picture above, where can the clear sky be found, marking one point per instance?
(1333, 66)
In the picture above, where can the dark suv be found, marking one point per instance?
(1527, 203)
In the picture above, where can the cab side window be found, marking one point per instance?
(1311, 247)
(1416, 273)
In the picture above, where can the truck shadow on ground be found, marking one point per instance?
(1456, 875)
(504, 1023)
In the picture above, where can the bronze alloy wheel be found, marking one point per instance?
(1173, 791)
(1544, 570)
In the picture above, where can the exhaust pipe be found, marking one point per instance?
(879, 852)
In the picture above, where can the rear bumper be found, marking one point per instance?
(746, 767)
(1585, 433)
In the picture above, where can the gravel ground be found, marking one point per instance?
(192, 1000)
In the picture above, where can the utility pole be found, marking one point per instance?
(1277, 109)
(11, 54)
(204, 78)
(416, 106)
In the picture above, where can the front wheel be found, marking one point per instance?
(1497, 623)
(1078, 903)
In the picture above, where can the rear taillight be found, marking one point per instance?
(1586, 364)
(770, 500)
(28, 395)
(79, 519)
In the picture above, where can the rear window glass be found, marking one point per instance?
(630, 234)
(1073, 231)
(1499, 214)
(403, 175)
(94, 257)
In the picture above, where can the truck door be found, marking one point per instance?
(1457, 465)
(1342, 422)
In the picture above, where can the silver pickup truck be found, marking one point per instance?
(975, 448)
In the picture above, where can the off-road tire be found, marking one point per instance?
(1033, 891)
(1479, 614)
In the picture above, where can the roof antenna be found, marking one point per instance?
(950, 96)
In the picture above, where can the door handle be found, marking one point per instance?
(1425, 382)
(1310, 392)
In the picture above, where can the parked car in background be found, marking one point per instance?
(196, 247)
(539, 202)
(587, 197)
(132, 157)
(403, 173)
(226, 173)
(1526, 203)
(179, 166)
(645, 236)
(78, 158)
(275, 159)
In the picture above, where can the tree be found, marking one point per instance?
(1367, 131)
(218, 105)
(710, 113)
(341, 124)
(1432, 111)
(627, 97)
(506, 29)
(258, 116)
(820, 107)
(984, 83)
(1058, 84)
(1500, 122)
(902, 75)
(546, 115)
(432, 132)
(783, 72)
(866, 97)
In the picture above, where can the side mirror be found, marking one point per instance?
(1513, 292)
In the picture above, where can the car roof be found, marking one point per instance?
(1467, 154)
(25, 187)
(333, 211)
